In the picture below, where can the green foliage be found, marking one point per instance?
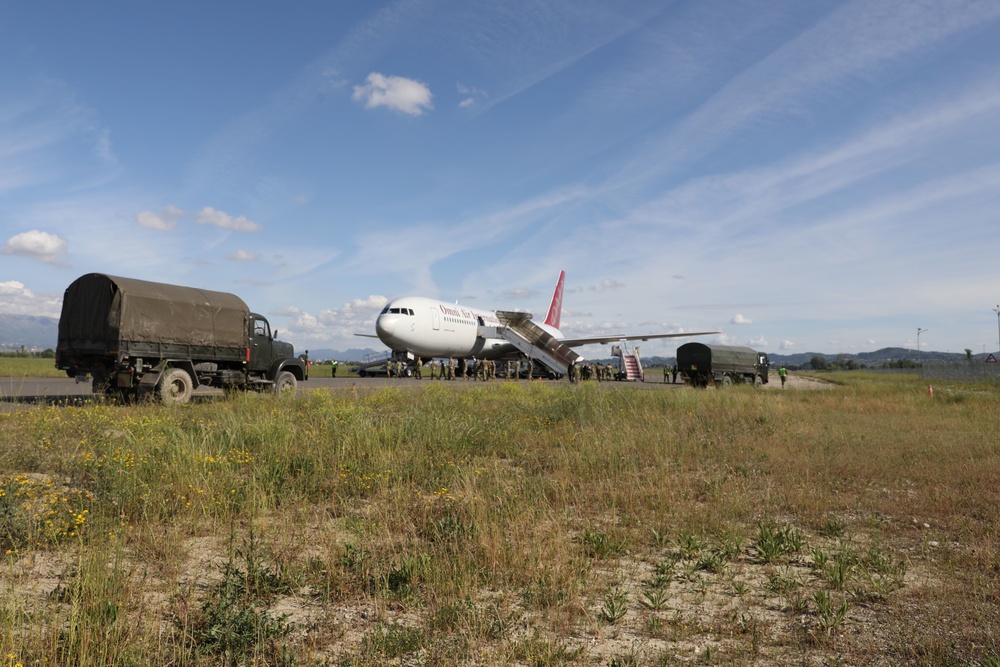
(773, 542)
(235, 623)
(600, 545)
(615, 605)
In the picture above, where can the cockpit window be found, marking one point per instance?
(384, 310)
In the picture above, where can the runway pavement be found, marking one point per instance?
(23, 392)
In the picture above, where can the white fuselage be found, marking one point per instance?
(429, 328)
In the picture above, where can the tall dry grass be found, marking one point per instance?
(506, 524)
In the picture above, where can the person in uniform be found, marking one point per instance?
(334, 369)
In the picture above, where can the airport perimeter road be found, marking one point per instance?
(66, 391)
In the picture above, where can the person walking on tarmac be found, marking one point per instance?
(783, 374)
(334, 370)
(675, 374)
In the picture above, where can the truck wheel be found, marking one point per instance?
(285, 382)
(758, 381)
(175, 387)
(727, 381)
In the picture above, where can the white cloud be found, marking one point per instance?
(739, 319)
(396, 92)
(16, 299)
(758, 342)
(244, 256)
(353, 317)
(787, 345)
(161, 222)
(210, 216)
(38, 245)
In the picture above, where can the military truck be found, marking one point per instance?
(721, 365)
(136, 338)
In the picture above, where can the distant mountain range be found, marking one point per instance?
(40, 333)
(28, 331)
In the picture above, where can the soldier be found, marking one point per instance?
(675, 374)
(420, 368)
(451, 368)
(433, 367)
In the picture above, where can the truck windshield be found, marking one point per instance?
(261, 328)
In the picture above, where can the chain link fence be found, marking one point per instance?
(970, 371)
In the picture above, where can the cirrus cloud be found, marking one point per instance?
(396, 92)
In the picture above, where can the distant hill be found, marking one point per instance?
(28, 331)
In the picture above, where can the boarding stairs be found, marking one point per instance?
(531, 340)
(630, 368)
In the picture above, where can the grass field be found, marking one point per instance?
(24, 367)
(507, 524)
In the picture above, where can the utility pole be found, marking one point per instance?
(920, 331)
(997, 311)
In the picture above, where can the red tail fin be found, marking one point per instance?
(555, 308)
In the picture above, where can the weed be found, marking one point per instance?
(688, 545)
(833, 527)
(630, 659)
(654, 598)
(830, 617)
(392, 641)
(615, 605)
(773, 541)
(601, 546)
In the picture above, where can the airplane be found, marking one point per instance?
(416, 326)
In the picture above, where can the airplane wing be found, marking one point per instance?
(614, 338)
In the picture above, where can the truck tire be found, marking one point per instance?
(758, 381)
(727, 381)
(285, 382)
(175, 387)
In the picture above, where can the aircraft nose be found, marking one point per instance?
(385, 326)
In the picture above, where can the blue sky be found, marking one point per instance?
(804, 176)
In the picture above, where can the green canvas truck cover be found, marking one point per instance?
(718, 356)
(100, 310)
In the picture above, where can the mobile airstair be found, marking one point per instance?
(532, 341)
(629, 366)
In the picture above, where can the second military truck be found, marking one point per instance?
(135, 337)
(721, 365)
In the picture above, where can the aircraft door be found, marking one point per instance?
(435, 319)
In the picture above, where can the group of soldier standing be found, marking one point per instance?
(473, 369)
(591, 371)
